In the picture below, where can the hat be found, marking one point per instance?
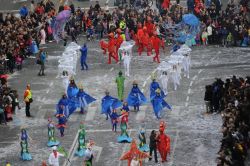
(54, 148)
(71, 78)
(80, 86)
(158, 90)
(120, 73)
(135, 83)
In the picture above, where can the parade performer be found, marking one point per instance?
(163, 144)
(125, 106)
(186, 65)
(149, 25)
(63, 106)
(124, 137)
(109, 103)
(156, 44)
(143, 146)
(164, 81)
(165, 4)
(120, 85)
(126, 62)
(136, 97)
(159, 104)
(89, 155)
(84, 52)
(84, 99)
(143, 41)
(153, 87)
(65, 77)
(114, 119)
(134, 154)
(119, 39)
(175, 77)
(72, 92)
(54, 157)
(51, 134)
(81, 142)
(61, 121)
(25, 155)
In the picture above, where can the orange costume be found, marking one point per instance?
(134, 153)
(163, 144)
(156, 44)
(143, 41)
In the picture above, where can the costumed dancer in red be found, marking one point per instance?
(163, 144)
(156, 44)
(150, 26)
(165, 4)
(143, 41)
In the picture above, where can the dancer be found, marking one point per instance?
(81, 142)
(186, 65)
(174, 77)
(63, 106)
(126, 62)
(109, 103)
(164, 81)
(114, 119)
(124, 137)
(72, 92)
(134, 154)
(84, 52)
(156, 44)
(25, 155)
(65, 77)
(89, 155)
(153, 87)
(136, 97)
(84, 99)
(61, 120)
(143, 40)
(143, 146)
(163, 144)
(125, 106)
(54, 157)
(159, 104)
(120, 85)
(51, 134)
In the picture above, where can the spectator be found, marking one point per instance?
(41, 61)
(28, 100)
(152, 146)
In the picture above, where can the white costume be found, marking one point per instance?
(186, 65)
(43, 36)
(175, 77)
(134, 162)
(54, 161)
(164, 81)
(126, 61)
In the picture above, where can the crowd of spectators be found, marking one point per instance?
(232, 99)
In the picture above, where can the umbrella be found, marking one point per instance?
(63, 15)
(190, 19)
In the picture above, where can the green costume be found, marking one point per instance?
(51, 134)
(120, 85)
(81, 142)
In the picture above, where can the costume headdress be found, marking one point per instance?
(135, 82)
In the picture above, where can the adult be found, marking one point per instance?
(84, 52)
(152, 146)
(28, 99)
(41, 61)
(120, 85)
(54, 157)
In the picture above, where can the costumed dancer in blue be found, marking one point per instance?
(81, 142)
(124, 137)
(84, 99)
(114, 119)
(109, 103)
(51, 134)
(153, 87)
(84, 52)
(72, 92)
(125, 106)
(25, 155)
(159, 104)
(136, 97)
(61, 121)
(63, 105)
(143, 146)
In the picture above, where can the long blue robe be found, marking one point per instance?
(72, 92)
(136, 97)
(65, 110)
(159, 104)
(153, 87)
(84, 99)
(109, 103)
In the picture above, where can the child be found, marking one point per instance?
(204, 36)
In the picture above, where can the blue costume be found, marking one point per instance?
(72, 92)
(51, 134)
(125, 107)
(63, 106)
(136, 97)
(153, 87)
(159, 104)
(34, 48)
(61, 122)
(109, 103)
(143, 146)
(24, 11)
(114, 120)
(25, 155)
(84, 52)
(84, 99)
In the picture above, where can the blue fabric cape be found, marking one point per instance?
(136, 97)
(159, 104)
(84, 99)
(153, 87)
(109, 103)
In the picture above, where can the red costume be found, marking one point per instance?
(199, 6)
(164, 142)
(156, 44)
(134, 153)
(165, 4)
(143, 41)
(150, 26)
